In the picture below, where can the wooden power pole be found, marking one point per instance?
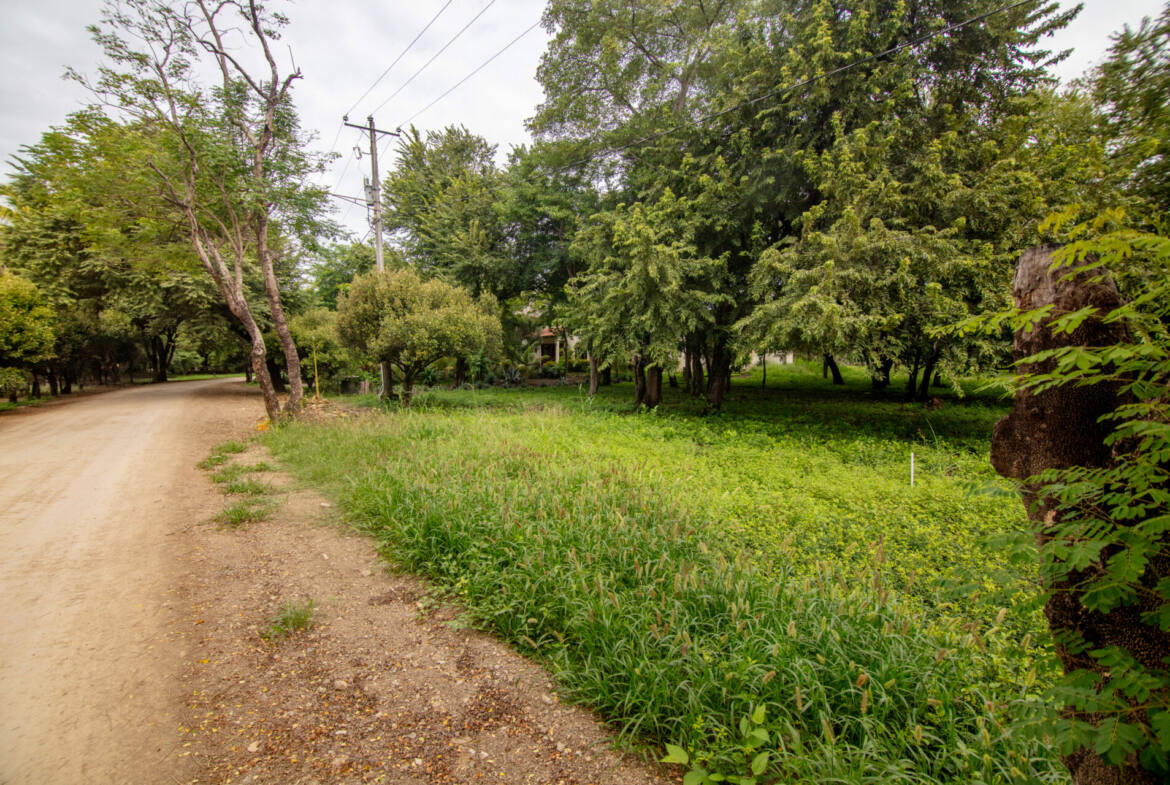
(374, 198)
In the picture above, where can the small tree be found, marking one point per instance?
(397, 318)
(26, 331)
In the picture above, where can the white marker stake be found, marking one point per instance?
(911, 470)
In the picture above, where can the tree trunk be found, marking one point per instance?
(248, 373)
(764, 370)
(927, 373)
(460, 373)
(1059, 428)
(673, 381)
(831, 365)
(653, 386)
(54, 389)
(718, 373)
(594, 376)
(639, 380)
(698, 381)
(36, 385)
(274, 373)
(606, 377)
(912, 382)
(158, 359)
(880, 375)
(407, 386)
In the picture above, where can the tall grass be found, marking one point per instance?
(580, 536)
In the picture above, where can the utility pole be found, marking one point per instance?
(374, 197)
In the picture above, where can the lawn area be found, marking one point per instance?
(761, 580)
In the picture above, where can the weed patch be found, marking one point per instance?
(243, 512)
(219, 454)
(246, 487)
(293, 617)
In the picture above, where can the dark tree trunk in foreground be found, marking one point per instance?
(653, 395)
(831, 364)
(594, 375)
(1059, 428)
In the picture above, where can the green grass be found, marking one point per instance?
(247, 487)
(7, 405)
(293, 617)
(219, 454)
(679, 571)
(244, 512)
(234, 473)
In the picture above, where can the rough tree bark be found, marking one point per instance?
(1059, 428)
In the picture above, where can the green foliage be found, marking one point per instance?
(26, 324)
(578, 534)
(337, 266)
(293, 617)
(1131, 87)
(647, 286)
(397, 318)
(1110, 536)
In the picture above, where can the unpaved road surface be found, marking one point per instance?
(93, 495)
(130, 646)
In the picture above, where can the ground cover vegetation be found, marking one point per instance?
(681, 572)
(707, 180)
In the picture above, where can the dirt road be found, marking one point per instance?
(92, 494)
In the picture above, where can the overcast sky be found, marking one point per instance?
(343, 46)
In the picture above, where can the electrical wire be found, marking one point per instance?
(473, 73)
(396, 59)
(756, 99)
(435, 56)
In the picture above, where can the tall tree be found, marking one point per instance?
(228, 156)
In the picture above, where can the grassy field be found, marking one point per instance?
(759, 586)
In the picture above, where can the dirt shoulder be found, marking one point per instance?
(383, 688)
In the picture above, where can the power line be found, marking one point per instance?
(348, 160)
(435, 56)
(796, 85)
(473, 73)
(396, 59)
